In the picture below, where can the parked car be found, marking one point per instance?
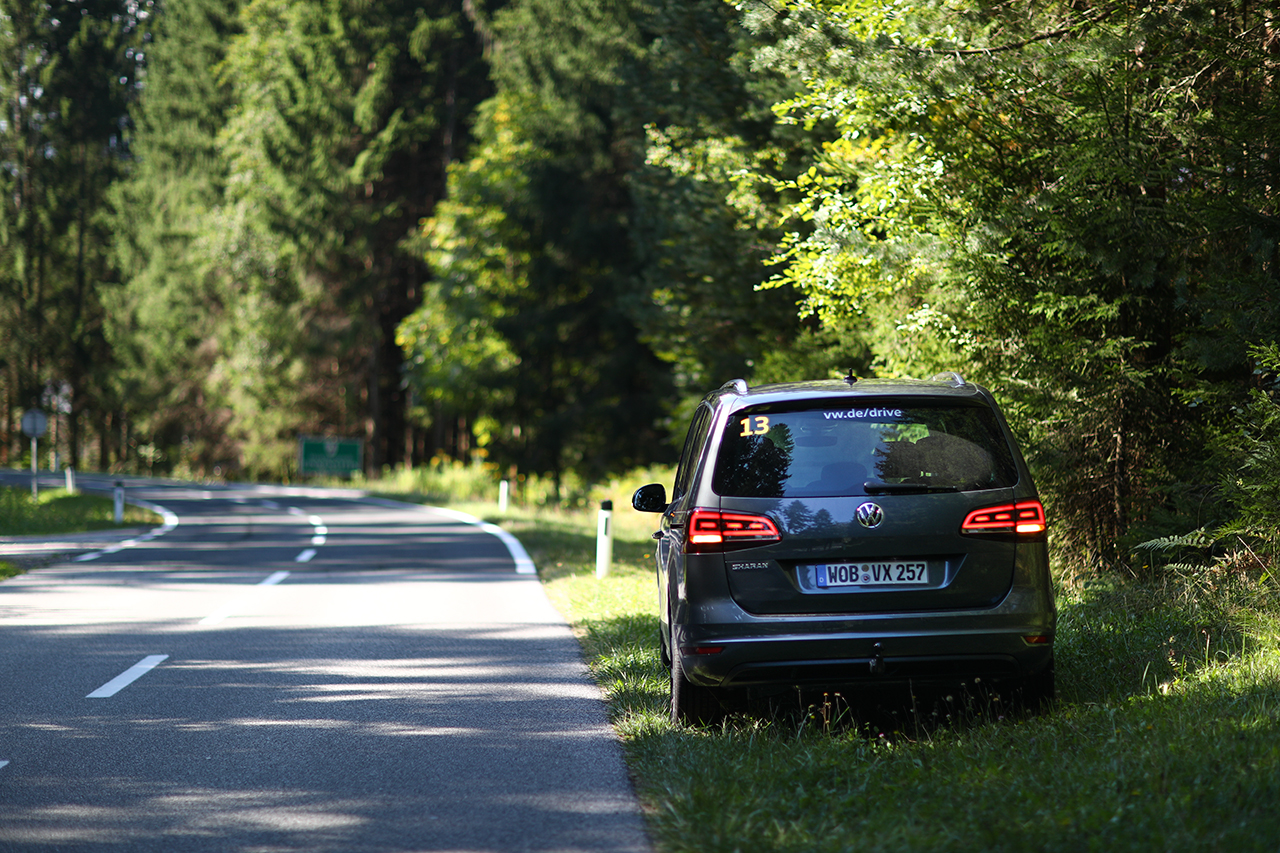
(844, 533)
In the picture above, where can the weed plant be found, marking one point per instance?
(1165, 736)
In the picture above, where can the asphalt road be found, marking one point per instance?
(285, 669)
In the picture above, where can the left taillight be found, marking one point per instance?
(1025, 518)
(714, 530)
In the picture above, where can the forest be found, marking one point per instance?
(530, 233)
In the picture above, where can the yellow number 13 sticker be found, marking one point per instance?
(757, 425)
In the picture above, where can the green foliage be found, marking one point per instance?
(596, 260)
(530, 251)
(287, 150)
(1241, 535)
(68, 72)
(166, 321)
(1061, 201)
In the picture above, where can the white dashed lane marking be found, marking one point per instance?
(221, 615)
(130, 675)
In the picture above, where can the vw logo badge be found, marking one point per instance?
(870, 515)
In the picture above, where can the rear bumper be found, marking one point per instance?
(797, 650)
(755, 663)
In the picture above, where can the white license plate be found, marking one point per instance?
(887, 573)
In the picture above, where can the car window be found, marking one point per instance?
(850, 450)
(693, 444)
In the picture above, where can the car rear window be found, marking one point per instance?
(870, 448)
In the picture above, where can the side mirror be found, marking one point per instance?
(650, 498)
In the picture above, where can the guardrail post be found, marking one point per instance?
(604, 539)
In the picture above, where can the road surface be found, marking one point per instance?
(282, 669)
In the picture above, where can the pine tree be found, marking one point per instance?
(168, 319)
(67, 75)
(345, 116)
(595, 251)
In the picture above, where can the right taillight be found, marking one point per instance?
(1024, 517)
(714, 530)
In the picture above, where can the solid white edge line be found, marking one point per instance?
(170, 522)
(524, 564)
(127, 677)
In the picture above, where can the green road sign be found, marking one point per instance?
(334, 456)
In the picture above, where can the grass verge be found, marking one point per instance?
(58, 511)
(1166, 735)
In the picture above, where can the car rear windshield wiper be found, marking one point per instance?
(905, 488)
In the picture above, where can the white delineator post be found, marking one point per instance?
(70, 474)
(604, 539)
(504, 491)
(118, 496)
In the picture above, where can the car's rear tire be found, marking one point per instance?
(1038, 690)
(692, 704)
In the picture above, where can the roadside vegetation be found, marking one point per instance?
(57, 511)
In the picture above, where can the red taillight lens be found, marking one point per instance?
(1025, 517)
(713, 530)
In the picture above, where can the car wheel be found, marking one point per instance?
(692, 704)
(1038, 690)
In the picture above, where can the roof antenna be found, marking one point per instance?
(851, 378)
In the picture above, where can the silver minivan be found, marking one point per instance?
(846, 533)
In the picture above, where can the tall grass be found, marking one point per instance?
(453, 482)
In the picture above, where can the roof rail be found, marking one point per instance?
(955, 380)
(737, 385)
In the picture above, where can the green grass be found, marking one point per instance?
(1166, 735)
(57, 511)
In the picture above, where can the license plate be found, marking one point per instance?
(889, 573)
